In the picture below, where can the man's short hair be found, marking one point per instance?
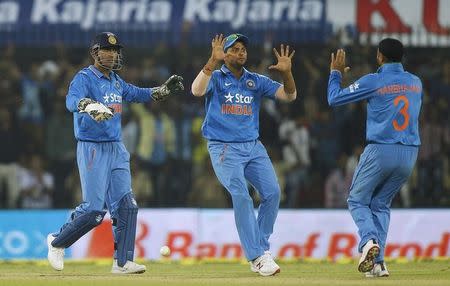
(392, 49)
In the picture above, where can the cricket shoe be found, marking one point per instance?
(253, 268)
(379, 270)
(370, 251)
(130, 267)
(55, 255)
(265, 265)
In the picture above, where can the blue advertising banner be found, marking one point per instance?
(23, 233)
(148, 22)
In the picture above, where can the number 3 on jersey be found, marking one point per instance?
(403, 112)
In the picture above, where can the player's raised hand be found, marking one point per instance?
(284, 59)
(338, 62)
(175, 83)
(217, 53)
(171, 86)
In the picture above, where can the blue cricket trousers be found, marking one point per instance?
(234, 165)
(381, 172)
(104, 173)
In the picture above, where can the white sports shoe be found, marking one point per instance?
(265, 265)
(369, 252)
(253, 268)
(55, 254)
(130, 267)
(379, 270)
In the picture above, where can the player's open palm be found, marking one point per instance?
(338, 61)
(217, 44)
(284, 58)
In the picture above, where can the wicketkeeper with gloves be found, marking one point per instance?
(95, 97)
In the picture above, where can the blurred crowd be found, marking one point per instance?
(314, 148)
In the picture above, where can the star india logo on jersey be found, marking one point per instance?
(112, 98)
(237, 104)
(114, 101)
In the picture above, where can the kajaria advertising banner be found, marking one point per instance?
(149, 22)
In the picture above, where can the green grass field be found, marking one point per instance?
(217, 274)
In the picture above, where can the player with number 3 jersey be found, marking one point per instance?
(394, 99)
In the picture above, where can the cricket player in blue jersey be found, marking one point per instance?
(231, 126)
(95, 98)
(394, 99)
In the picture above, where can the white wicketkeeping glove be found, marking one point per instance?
(95, 109)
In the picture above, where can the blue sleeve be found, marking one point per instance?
(132, 93)
(78, 89)
(419, 83)
(267, 86)
(361, 89)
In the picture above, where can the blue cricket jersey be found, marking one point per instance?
(394, 99)
(232, 105)
(91, 83)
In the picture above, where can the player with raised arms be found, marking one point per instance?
(394, 99)
(231, 126)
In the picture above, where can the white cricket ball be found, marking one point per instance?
(165, 250)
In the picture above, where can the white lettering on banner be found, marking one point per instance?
(92, 12)
(317, 234)
(9, 12)
(311, 11)
(44, 9)
(197, 8)
(73, 12)
(239, 13)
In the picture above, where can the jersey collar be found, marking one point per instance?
(392, 67)
(225, 70)
(98, 73)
